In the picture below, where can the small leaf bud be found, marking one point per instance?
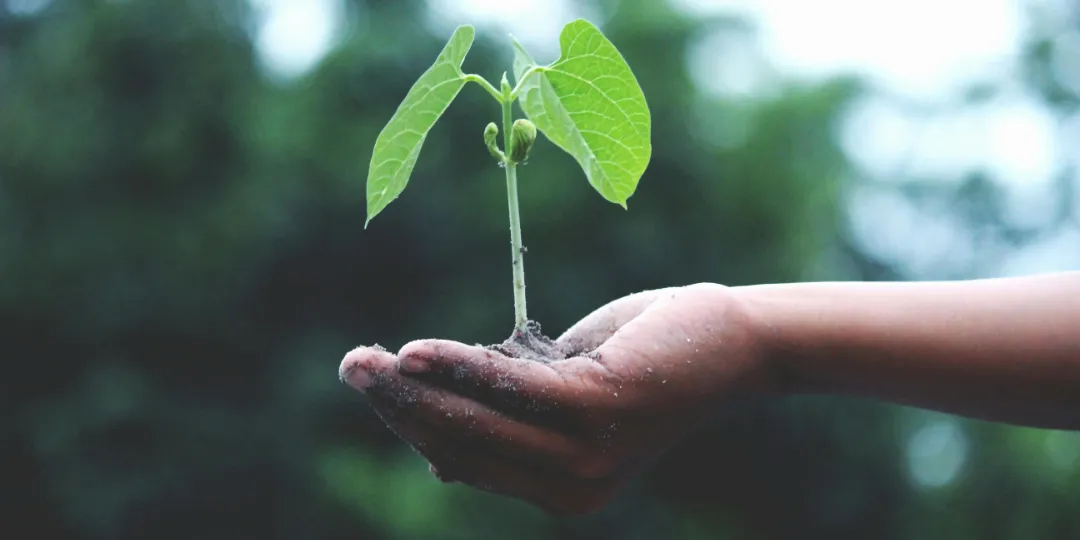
(490, 134)
(504, 85)
(522, 137)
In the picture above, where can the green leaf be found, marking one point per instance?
(399, 143)
(589, 103)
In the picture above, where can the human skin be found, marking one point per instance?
(567, 435)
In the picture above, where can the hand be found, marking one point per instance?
(566, 435)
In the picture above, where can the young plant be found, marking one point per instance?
(587, 102)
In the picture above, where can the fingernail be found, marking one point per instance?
(352, 374)
(359, 379)
(413, 365)
(356, 377)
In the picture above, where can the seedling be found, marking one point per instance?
(587, 102)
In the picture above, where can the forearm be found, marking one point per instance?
(1004, 350)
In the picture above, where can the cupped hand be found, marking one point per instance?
(568, 434)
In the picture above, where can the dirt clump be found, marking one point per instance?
(533, 345)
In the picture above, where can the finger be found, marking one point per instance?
(533, 392)
(480, 427)
(634, 345)
(664, 339)
(357, 367)
(593, 330)
(453, 460)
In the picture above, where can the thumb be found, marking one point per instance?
(654, 339)
(600, 325)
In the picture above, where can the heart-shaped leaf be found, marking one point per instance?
(399, 143)
(589, 103)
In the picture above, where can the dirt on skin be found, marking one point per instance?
(533, 345)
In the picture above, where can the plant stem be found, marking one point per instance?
(521, 82)
(472, 77)
(520, 313)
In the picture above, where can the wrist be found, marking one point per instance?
(767, 322)
(742, 336)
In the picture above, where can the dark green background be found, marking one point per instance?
(183, 265)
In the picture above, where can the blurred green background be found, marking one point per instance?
(183, 262)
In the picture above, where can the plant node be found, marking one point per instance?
(505, 87)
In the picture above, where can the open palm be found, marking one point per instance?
(566, 435)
